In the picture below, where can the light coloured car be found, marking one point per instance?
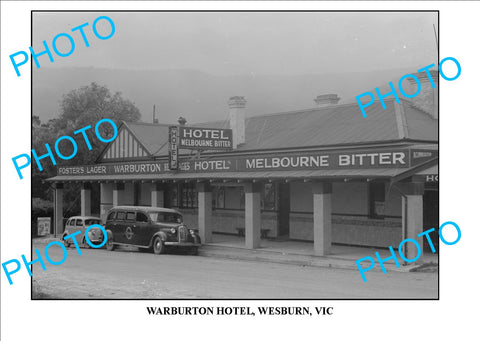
(81, 223)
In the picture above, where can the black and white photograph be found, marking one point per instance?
(237, 156)
(241, 169)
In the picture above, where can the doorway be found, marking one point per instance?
(284, 210)
(431, 217)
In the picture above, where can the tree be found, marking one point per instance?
(79, 108)
(88, 105)
(36, 121)
(94, 102)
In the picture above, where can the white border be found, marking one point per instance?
(454, 316)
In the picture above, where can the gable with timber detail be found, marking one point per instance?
(125, 146)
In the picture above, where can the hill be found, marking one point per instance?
(203, 97)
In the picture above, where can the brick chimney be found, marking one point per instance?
(182, 120)
(427, 99)
(326, 100)
(154, 119)
(237, 119)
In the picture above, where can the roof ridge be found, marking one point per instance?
(401, 121)
(299, 111)
(148, 124)
(307, 110)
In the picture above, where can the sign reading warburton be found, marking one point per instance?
(205, 138)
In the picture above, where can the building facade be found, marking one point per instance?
(325, 175)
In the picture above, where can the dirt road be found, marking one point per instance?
(132, 274)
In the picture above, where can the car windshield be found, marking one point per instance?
(89, 222)
(165, 217)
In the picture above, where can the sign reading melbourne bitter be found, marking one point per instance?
(378, 158)
(205, 138)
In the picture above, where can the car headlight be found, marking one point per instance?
(172, 230)
(192, 232)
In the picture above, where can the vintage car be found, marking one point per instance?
(81, 223)
(149, 228)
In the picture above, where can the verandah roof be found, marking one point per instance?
(333, 174)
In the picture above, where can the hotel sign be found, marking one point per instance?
(173, 147)
(378, 159)
(205, 138)
(427, 178)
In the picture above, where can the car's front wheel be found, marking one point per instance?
(66, 242)
(158, 246)
(109, 245)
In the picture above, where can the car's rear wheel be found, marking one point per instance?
(66, 243)
(158, 246)
(109, 245)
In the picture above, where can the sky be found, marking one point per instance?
(227, 43)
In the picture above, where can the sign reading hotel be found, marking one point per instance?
(173, 147)
(379, 158)
(205, 138)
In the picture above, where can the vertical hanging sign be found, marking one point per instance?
(173, 149)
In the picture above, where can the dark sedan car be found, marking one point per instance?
(149, 228)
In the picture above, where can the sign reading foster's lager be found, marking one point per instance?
(205, 138)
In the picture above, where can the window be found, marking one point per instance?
(130, 215)
(242, 198)
(218, 194)
(79, 222)
(142, 218)
(89, 222)
(172, 218)
(173, 196)
(121, 215)
(161, 217)
(193, 196)
(71, 222)
(188, 197)
(111, 216)
(269, 197)
(376, 199)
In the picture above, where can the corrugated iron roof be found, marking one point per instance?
(153, 136)
(418, 170)
(334, 125)
(420, 126)
(428, 171)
